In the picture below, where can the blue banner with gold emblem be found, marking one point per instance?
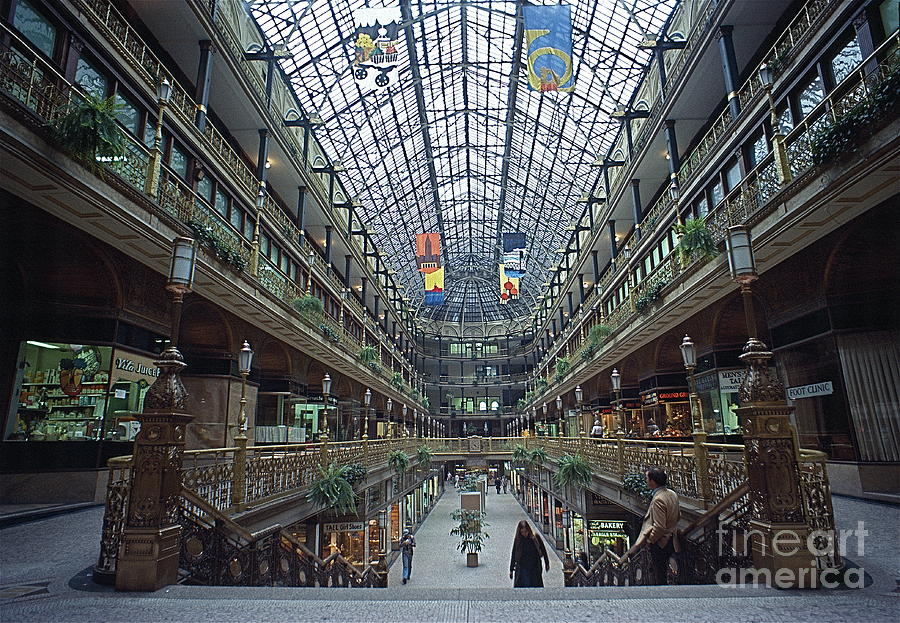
(548, 43)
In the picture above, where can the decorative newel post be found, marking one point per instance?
(771, 450)
(150, 546)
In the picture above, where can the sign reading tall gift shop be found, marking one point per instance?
(376, 47)
(548, 43)
(428, 261)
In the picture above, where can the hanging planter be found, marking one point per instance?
(696, 241)
(398, 461)
(87, 129)
(333, 489)
(309, 306)
(572, 470)
(424, 455)
(562, 368)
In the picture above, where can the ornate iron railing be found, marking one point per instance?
(215, 551)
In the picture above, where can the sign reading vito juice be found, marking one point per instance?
(133, 367)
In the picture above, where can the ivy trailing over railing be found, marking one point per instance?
(842, 138)
(207, 237)
(637, 484)
(330, 333)
(355, 474)
(646, 299)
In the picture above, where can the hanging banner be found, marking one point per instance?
(428, 261)
(434, 287)
(376, 54)
(548, 41)
(509, 286)
(514, 254)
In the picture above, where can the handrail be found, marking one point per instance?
(216, 514)
(713, 512)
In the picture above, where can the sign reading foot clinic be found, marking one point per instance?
(824, 388)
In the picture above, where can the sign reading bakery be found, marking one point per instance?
(131, 367)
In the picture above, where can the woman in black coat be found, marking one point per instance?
(525, 563)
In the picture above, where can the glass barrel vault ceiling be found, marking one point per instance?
(466, 150)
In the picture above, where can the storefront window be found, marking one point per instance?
(70, 392)
(606, 534)
(845, 61)
(345, 538)
(666, 413)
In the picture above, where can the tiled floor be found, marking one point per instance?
(437, 564)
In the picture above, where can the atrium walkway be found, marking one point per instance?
(45, 576)
(437, 564)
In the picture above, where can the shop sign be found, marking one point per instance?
(318, 398)
(602, 524)
(706, 382)
(344, 526)
(130, 367)
(653, 398)
(824, 388)
(730, 380)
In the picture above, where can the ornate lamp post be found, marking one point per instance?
(367, 400)
(559, 414)
(767, 78)
(545, 414)
(403, 411)
(689, 356)
(771, 449)
(579, 400)
(389, 407)
(150, 544)
(616, 380)
(151, 184)
(245, 358)
(326, 393)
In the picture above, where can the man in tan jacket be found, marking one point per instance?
(658, 532)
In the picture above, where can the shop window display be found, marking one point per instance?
(78, 392)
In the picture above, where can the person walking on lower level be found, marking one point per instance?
(505, 484)
(658, 532)
(407, 543)
(525, 562)
(498, 482)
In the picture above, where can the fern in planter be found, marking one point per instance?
(598, 333)
(562, 367)
(572, 470)
(520, 454)
(87, 129)
(398, 461)
(414, 394)
(538, 455)
(423, 455)
(397, 380)
(637, 484)
(367, 354)
(309, 306)
(333, 490)
(541, 385)
(426, 402)
(696, 241)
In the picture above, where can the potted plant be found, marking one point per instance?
(541, 385)
(598, 333)
(87, 128)
(355, 473)
(573, 469)
(426, 402)
(333, 489)
(309, 306)
(397, 380)
(470, 530)
(398, 461)
(696, 241)
(367, 354)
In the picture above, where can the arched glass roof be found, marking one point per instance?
(459, 144)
